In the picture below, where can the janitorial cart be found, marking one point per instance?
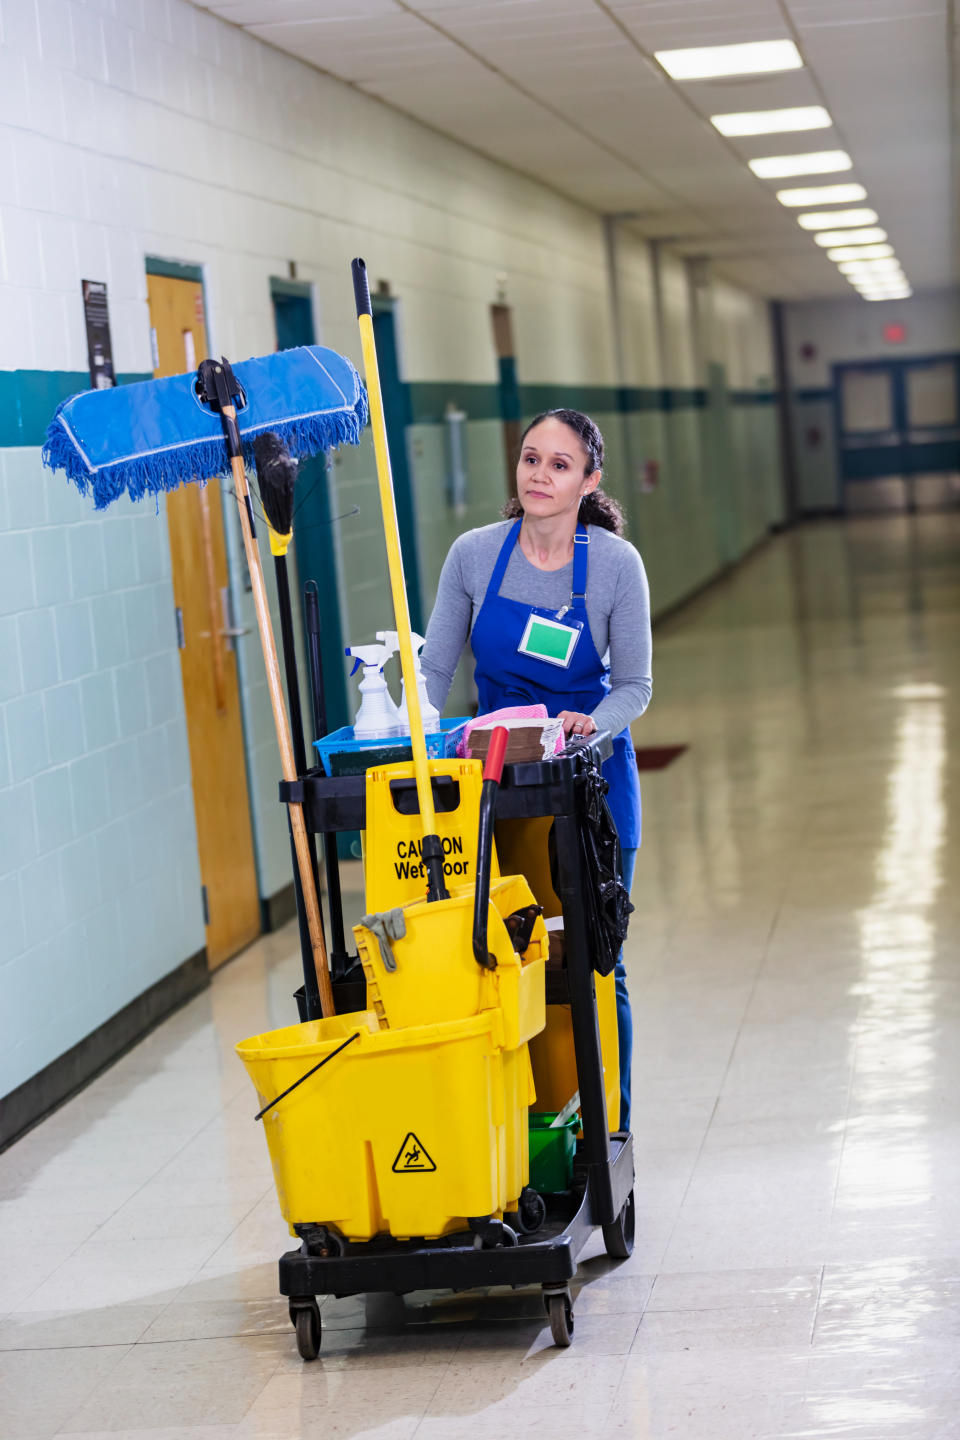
(400, 1109)
(399, 1127)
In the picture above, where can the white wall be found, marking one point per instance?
(844, 331)
(145, 127)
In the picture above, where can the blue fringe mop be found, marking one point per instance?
(141, 439)
(156, 435)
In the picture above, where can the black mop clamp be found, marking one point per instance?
(218, 387)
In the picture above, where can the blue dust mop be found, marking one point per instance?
(141, 439)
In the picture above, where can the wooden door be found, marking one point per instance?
(207, 660)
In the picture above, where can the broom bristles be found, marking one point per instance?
(276, 478)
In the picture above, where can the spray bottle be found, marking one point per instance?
(429, 713)
(378, 715)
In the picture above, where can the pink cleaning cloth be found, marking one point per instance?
(511, 712)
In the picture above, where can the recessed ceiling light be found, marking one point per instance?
(769, 122)
(754, 58)
(860, 252)
(819, 162)
(822, 195)
(869, 267)
(900, 295)
(851, 237)
(819, 219)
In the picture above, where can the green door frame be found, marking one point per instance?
(399, 416)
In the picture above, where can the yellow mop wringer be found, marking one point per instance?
(410, 1118)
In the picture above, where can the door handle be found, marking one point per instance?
(230, 632)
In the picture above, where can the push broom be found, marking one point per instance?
(154, 436)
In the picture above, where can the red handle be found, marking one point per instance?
(493, 769)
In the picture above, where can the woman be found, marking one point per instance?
(559, 558)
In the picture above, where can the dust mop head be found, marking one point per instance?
(140, 439)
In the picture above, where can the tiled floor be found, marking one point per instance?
(793, 964)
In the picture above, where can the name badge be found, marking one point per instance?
(546, 639)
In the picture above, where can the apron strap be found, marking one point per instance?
(581, 541)
(503, 560)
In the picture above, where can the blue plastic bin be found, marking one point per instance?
(341, 754)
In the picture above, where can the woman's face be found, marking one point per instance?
(550, 474)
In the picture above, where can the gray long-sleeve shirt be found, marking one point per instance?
(618, 612)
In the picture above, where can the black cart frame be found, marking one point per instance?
(602, 1191)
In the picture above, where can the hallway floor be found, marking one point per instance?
(793, 964)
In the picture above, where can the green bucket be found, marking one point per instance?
(551, 1152)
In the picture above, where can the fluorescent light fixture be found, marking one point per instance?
(770, 122)
(822, 195)
(877, 282)
(898, 282)
(899, 295)
(754, 58)
(820, 219)
(895, 286)
(860, 252)
(881, 282)
(819, 162)
(873, 236)
(870, 267)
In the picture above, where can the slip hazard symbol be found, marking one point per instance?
(412, 1157)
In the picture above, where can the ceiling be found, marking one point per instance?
(568, 91)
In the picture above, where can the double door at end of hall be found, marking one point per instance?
(898, 432)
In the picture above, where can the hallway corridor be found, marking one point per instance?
(793, 968)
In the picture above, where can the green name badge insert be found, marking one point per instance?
(546, 639)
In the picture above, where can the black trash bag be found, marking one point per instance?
(607, 904)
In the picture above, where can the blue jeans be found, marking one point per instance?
(628, 860)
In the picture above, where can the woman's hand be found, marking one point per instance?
(576, 724)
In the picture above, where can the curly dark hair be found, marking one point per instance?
(597, 508)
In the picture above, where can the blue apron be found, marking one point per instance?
(504, 676)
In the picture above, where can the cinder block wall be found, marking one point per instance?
(152, 128)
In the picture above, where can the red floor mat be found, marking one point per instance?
(658, 757)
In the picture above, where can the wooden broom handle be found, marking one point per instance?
(297, 824)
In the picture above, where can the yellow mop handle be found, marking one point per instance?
(394, 557)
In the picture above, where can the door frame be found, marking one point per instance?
(195, 273)
(397, 407)
(322, 542)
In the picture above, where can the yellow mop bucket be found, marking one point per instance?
(435, 976)
(406, 1132)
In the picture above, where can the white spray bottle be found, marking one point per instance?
(429, 713)
(378, 716)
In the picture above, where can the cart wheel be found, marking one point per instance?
(618, 1237)
(307, 1322)
(560, 1315)
(532, 1212)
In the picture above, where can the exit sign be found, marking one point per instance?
(895, 333)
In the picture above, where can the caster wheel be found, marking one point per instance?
(618, 1237)
(306, 1321)
(532, 1212)
(560, 1315)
